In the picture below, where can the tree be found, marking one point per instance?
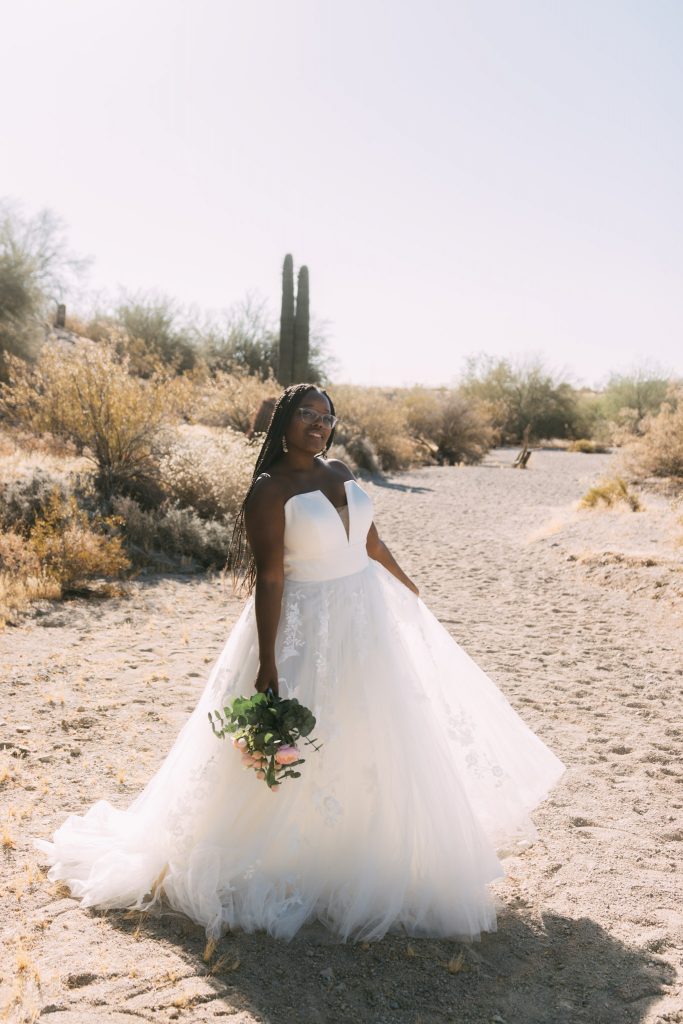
(246, 339)
(154, 323)
(632, 397)
(36, 271)
(521, 395)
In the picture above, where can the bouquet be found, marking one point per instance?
(265, 729)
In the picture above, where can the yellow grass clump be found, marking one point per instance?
(610, 493)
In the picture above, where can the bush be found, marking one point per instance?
(610, 493)
(374, 428)
(659, 451)
(157, 331)
(72, 548)
(35, 266)
(588, 447)
(172, 531)
(230, 399)
(58, 548)
(17, 556)
(85, 394)
(22, 581)
(519, 396)
(451, 428)
(23, 500)
(628, 398)
(209, 472)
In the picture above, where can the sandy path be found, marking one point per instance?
(585, 644)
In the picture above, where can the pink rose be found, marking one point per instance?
(287, 755)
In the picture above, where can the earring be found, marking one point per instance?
(284, 444)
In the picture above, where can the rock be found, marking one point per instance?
(23, 728)
(327, 975)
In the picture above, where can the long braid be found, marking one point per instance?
(240, 560)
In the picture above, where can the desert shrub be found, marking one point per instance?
(243, 338)
(451, 428)
(73, 547)
(517, 396)
(373, 427)
(158, 329)
(230, 399)
(659, 450)
(23, 583)
(85, 394)
(609, 493)
(35, 266)
(170, 531)
(23, 500)
(17, 556)
(588, 447)
(208, 471)
(246, 337)
(628, 398)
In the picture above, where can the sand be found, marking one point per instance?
(577, 617)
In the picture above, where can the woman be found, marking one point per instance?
(425, 772)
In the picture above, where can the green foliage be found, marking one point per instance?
(263, 726)
(629, 398)
(609, 493)
(521, 396)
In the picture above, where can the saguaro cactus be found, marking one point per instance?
(285, 371)
(301, 327)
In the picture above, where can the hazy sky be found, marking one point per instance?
(498, 176)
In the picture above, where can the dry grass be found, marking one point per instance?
(609, 493)
(588, 447)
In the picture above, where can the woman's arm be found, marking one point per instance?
(264, 519)
(377, 549)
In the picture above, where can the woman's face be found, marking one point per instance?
(312, 436)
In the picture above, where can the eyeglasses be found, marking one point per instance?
(311, 416)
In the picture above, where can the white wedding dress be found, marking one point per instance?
(425, 775)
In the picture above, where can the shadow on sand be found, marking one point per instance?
(564, 971)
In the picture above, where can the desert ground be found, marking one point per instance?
(575, 614)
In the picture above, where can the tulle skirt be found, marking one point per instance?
(425, 777)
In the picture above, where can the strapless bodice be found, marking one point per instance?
(317, 546)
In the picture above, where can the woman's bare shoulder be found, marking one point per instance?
(342, 468)
(268, 493)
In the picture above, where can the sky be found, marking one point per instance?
(459, 176)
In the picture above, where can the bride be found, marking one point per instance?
(425, 774)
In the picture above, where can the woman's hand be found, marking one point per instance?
(266, 679)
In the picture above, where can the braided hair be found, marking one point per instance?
(240, 560)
